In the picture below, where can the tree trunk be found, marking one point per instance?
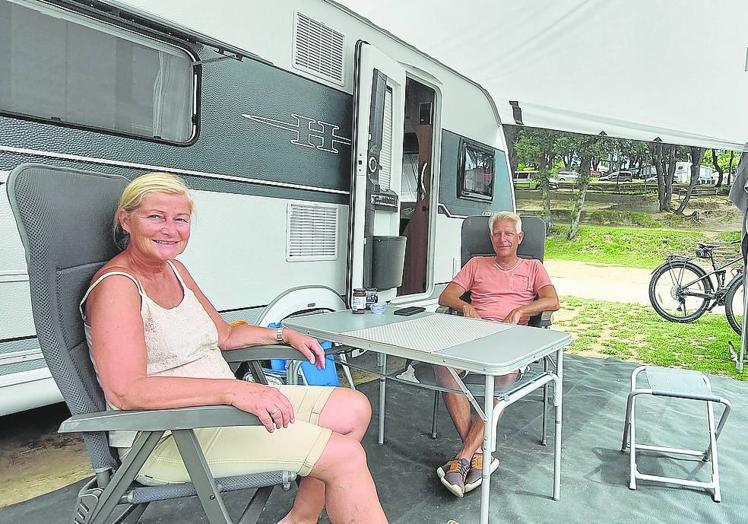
(729, 168)
(715, 163)
(697, 153)
(583, 182)
(544, 175)
(670, 157)
(659, 165)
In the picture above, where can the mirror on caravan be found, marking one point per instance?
(376, 251)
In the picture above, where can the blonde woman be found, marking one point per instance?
(156, 339)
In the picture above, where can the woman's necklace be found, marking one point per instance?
(509, 268)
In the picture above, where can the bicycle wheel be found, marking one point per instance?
(679, 291)
(734, 304)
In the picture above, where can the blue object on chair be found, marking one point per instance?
(328, 376)
(278, 364)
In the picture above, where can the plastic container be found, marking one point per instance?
(328, 376)
(377, 309)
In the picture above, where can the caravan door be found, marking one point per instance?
(376, 251)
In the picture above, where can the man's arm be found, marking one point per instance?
(547, 301)
(450, 297)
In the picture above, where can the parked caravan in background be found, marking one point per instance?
(683, 174)
(324, 154)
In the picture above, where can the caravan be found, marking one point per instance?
(683, 174)
(324, 154)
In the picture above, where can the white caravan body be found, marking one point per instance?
(682, 174)
(323, 154)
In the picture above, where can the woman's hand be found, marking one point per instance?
(267, 403)
(307, 346)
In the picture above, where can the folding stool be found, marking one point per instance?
(675, 383)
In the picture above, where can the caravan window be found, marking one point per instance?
(60, 67)
(476, 175)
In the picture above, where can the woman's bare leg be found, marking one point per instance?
(347, 413)
(350, 493)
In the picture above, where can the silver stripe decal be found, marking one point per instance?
(13, 276)
(147, 167)
(21, 356)
(446, 212)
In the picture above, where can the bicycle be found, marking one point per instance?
(682, 291)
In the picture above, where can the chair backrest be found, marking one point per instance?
(476, 239)
(64, 217)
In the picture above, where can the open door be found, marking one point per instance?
(376, 251)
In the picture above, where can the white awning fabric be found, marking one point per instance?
(640, 69)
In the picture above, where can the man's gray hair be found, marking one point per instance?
(505, 215)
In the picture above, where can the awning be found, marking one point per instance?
(640, 69)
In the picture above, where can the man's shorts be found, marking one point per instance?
(241, 450)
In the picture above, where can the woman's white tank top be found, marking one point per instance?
(181, 341)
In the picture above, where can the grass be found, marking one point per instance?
(635, 332)
(626, 246)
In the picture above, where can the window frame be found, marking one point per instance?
(462, 192)
(107, 27)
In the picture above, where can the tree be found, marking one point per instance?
(623, 153)
(536, 147)
(664, 157)
(695, 154)
(512, 134)
(589, 150)
(722, 161)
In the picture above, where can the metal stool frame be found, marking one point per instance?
(629, 433)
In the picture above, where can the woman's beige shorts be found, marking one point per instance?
(240, 450)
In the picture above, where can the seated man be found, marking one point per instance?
(503, 288)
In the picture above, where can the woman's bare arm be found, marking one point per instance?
(234, 337)
(119, 353)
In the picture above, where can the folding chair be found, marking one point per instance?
(64, 217)
(476, 241)
(683, 384)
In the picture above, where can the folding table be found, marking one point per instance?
(477, 346)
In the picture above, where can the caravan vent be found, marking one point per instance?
(385, 156)
(312, 232)
(318, 49)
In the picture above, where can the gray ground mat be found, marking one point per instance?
(594, 478)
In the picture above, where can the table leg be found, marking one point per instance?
(488, 439)
(382, 358)
(558, 403)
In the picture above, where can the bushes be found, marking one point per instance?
(633, 247)
(614, 217)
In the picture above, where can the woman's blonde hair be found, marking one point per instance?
(133, 194)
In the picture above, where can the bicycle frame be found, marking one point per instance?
(719, 290)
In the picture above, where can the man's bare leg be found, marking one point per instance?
(457, 405)
(469, 428)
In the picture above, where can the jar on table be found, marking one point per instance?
(358, 301)
(371, 297)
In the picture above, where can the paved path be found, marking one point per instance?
(601, 282)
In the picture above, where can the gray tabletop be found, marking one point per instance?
(498, 348)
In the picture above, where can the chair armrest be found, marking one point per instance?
(159, 419)
(447, 311)
(248, 354)
(262, 353)
(543, 320)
